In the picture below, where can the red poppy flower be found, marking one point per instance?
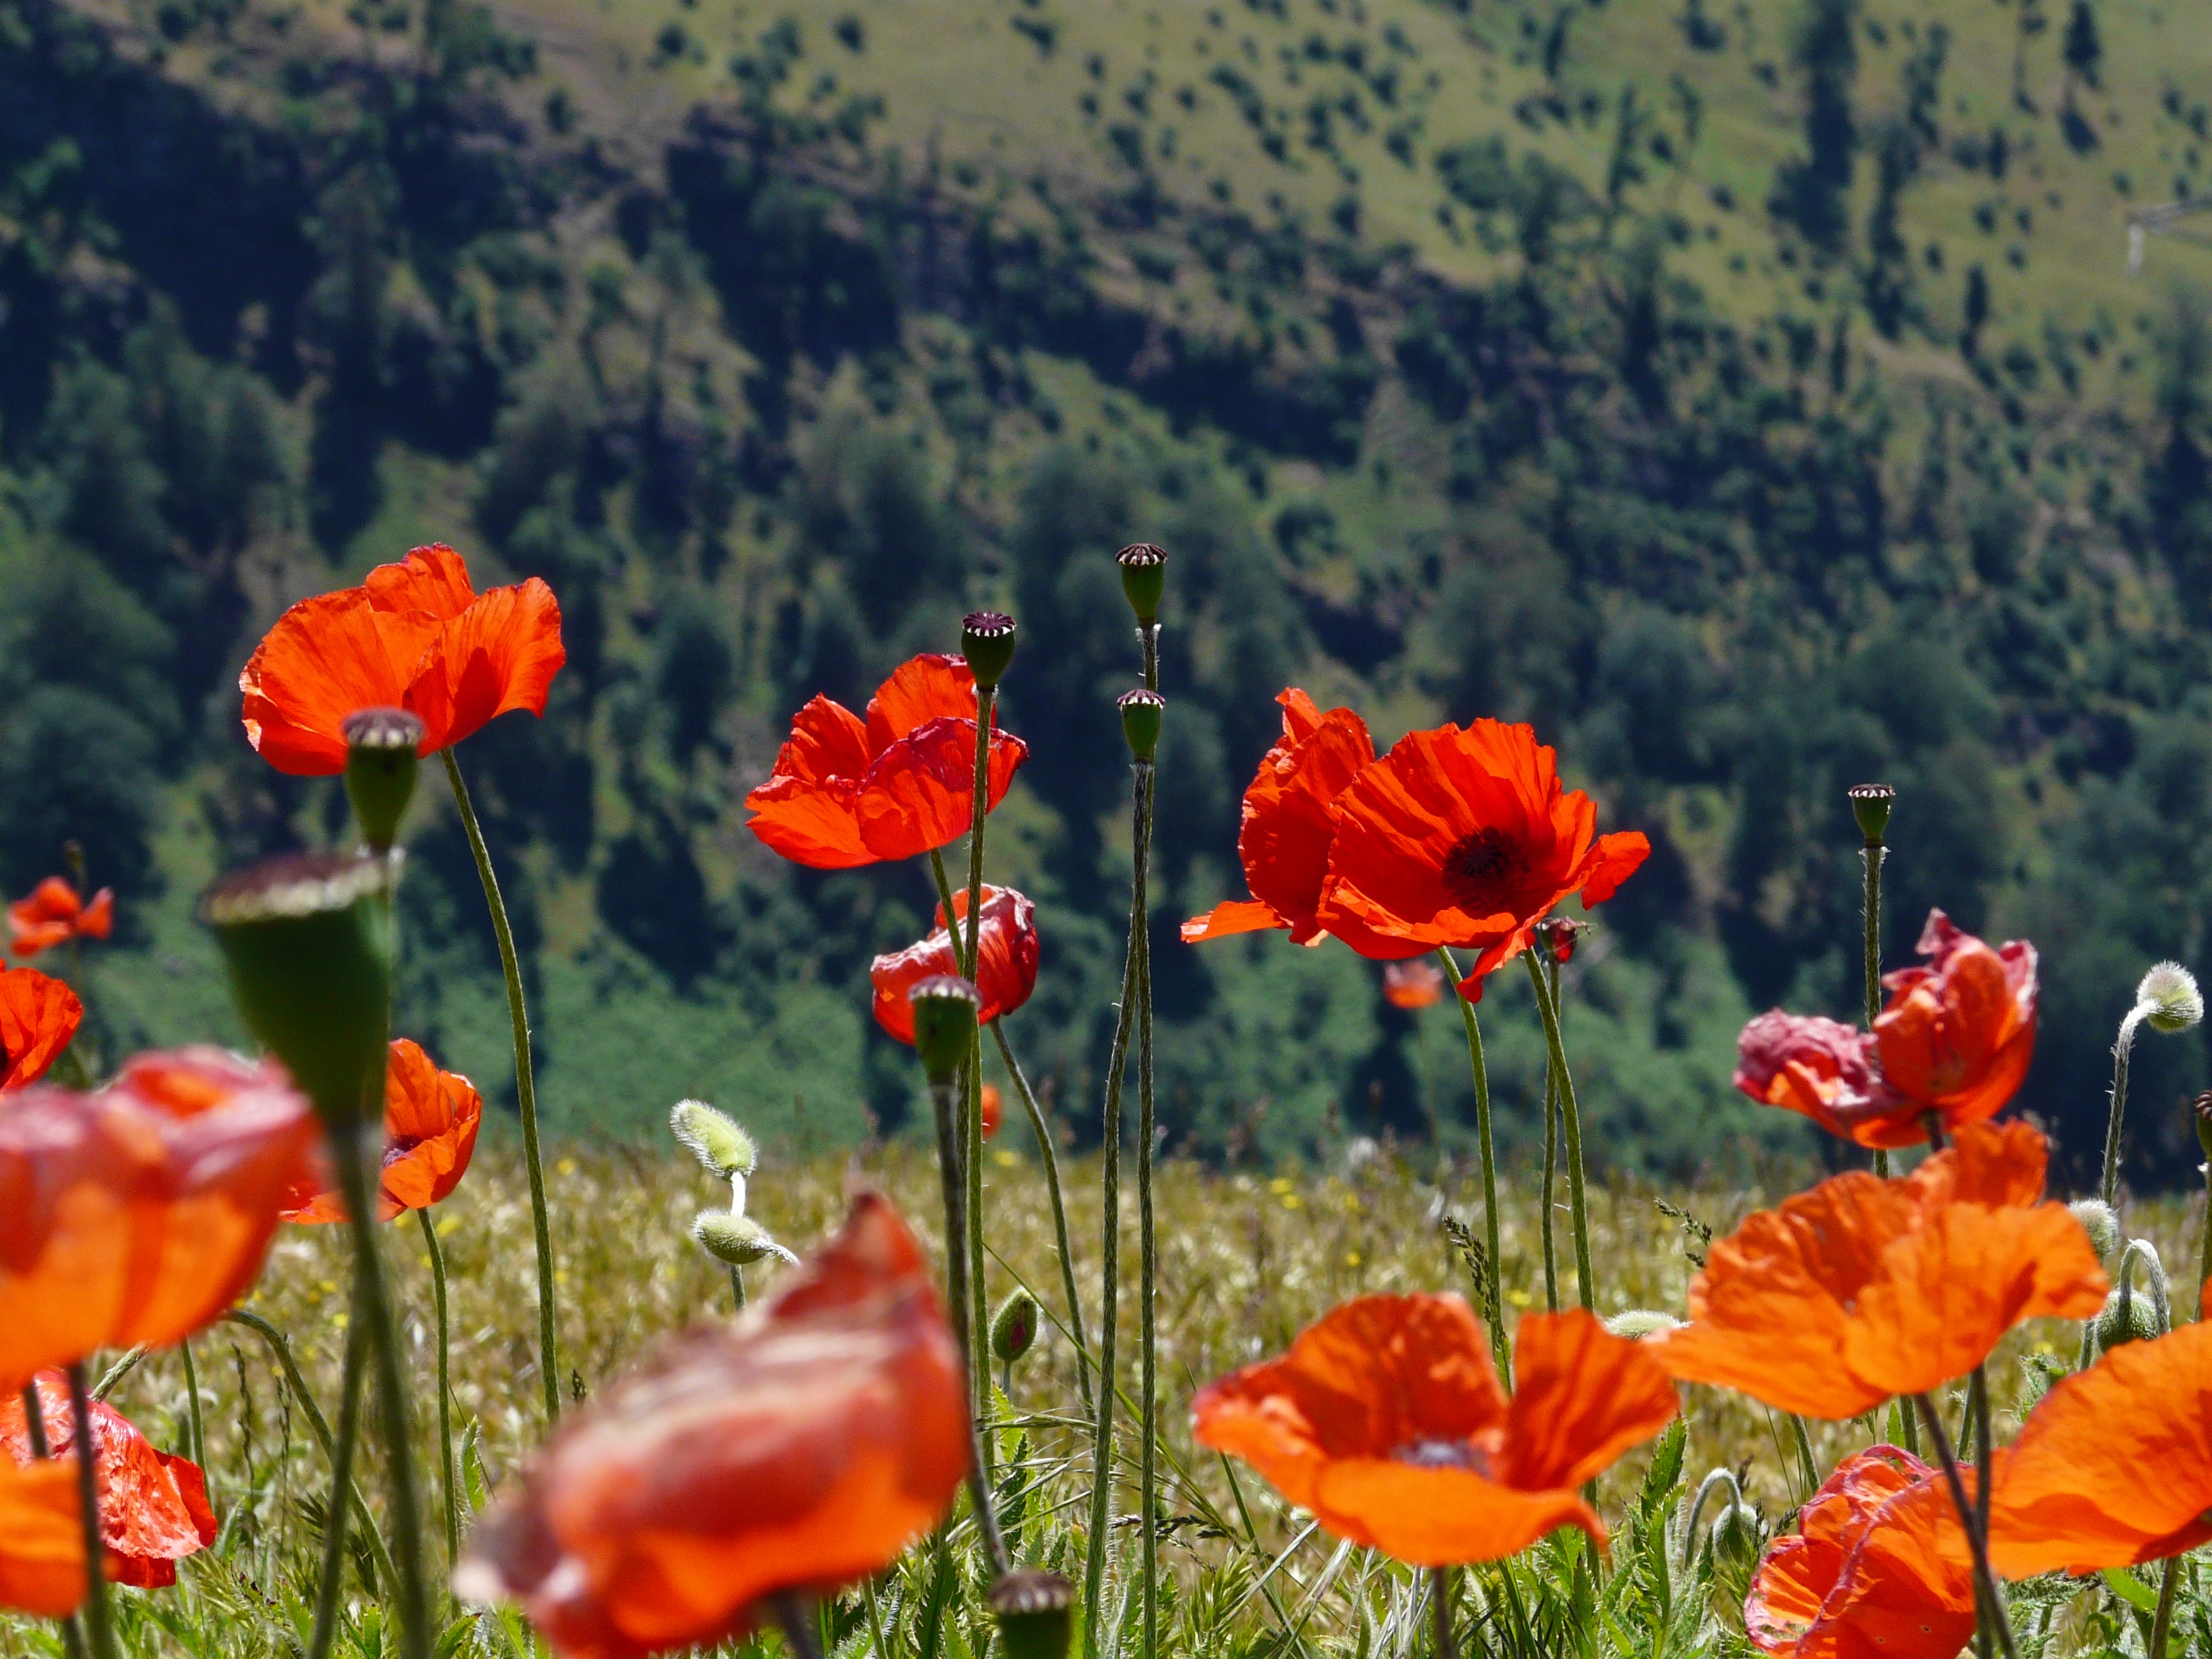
(153, 1507)
(41, 1539)
(140, 1213)
(54, 914)
(430, 1121)
(1873, 1571)
(994, 1110)
(1863, 1289)
(415, 635)
(1954, 1039)
(1465, 837)
(2114, 1467)
(1006, 948)
(39, 1017)
(847, 792)
(1412, 985)
(1386, 1421)
(799, 1448)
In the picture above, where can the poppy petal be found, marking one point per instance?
(1289, 822)
(1231, 917)
(434, 579)
(1006, 944)
(327, 658)
(431, 1117)
(500, 654)
(41, 1539)
(38, 1017)
(98, 916)
(1618, 857)
(919, 792)
(921, 689)
(1440, 1517)
(1582, 1397)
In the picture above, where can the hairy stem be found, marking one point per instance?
(335, 1514)
(2108, 1188)
(1500, 1354)
(943, 1101)
(525, 1085)
(1549, 1227)
(1147, 1242)
(1871, 857)
(448, 1471)
(1050, 1154)
(986, 700)
(1986, 1582)
(738, 1286)
(1441, 1581)
(2163, 1622)
(98, 1615)
(1570, 1118)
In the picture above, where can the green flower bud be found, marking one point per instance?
(1014, 1327)
(987, 639)
(1033, 1609)
(945, 1010)
(1638, 1322)
(736, 1239)
(1140, 720)
(308, 939)
(1870, 805)
(1736, 1539)
(1144, 579)
(2128, 1318)
(713, 1137)
(380, 764)
(2169, 999)
(2098, 1221)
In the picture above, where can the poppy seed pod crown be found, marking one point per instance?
(1870, 805)
(307, 937)
(1144, 579)
(987, 639)
(381, 766)
(1140, 721)
(1032, 1607)
(946, 1008)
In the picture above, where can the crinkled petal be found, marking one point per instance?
(327, 658)
(500, 654)
(919, 792)
(434, 579)
(38, 1017)
(921, 689)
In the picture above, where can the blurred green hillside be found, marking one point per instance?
(1755, 396)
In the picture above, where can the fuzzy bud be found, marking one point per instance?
(1144, 579)
(1736, 1540)
(380, 765)
(2169, 998)
(1034, 1610)
(724, 1150)
(2128, 1318)
(736, 1239)
(987, 639)
(1014, 1327)
(1636, 1324)
(945, 1010)
(1870, 805)
(2098, 1221)
(1141, 711)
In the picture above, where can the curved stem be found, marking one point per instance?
(98, 1616)
(952, 1180)
(448, 1473)
(1986, 1582)
(1050, 1154)
(1570, 1116)
(335, 1514)
(1147, 1243)
(525, 1084)
(1500, 1354)
(2108, 1188)
(1550, 1228)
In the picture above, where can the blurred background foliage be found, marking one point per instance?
(1752, 395)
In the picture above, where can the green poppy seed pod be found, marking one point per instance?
(1144, 579)
(945, 1010)
(1736, 1540)
(987, 639)
(1014, 1327)
(2169, 999)
(1636, 1323)
(736, 1239)
(1870, 805)
(724, 1150)
(307, 937)
(2098, 1221)
(381, 764)
(1033, 1609)
(1140, 721)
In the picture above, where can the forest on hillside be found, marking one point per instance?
(770, 395)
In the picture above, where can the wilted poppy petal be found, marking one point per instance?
(919, 793)
(1230, 917)
(434, 579)
(921, 689)
(500, 654)
(41, 1539)
(1582, 1396)
(327, 658)
(38, 1017)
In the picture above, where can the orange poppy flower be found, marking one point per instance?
(847, 792)
(415, 635)
(994, 1110)
(1863, 1289)
(1006, 949)
(38, 1017)
(801, 1448)
(430, 1121)
(153, 1507)
(1289, 822)
(55, 914)
(1465, 837)
(1412, 985)
(140, 1213)
(1873, 1571)
(1386, 1421)
(1954, 1039)
(2112, 1466)
(41, 1539)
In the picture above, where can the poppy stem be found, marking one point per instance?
(979, 809)
(969, 1139)
(1872, 856)
(100, 1622)
(2163, 1622)
(1551, 1168)
(192, 1407)
(1147, 1240)
(953, 1181)
(2108, 1188)
(1049, 1153)
(525, 1084)
(795, 1617)
(34, 1423)
(1570, 1116)
(336, 1512)
(448, 1472)
(1441, 1579)
(1986, 1582)
(1501, 1355)
(2204, 1250)
(738, 1286)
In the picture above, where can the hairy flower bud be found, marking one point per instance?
(381, 766)
(1870, 805)
(1014, 1327)
(945, 1010)
(736, 1239)
(1144, 579)
(2169, 998)
(1033, 1609)
(2098, 1221)
(1634, 1323)
(1560, 935)
(723, 1149)
(1141, 711)
(987, 639)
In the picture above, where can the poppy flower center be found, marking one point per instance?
(1482, 870)
(1443, 1454)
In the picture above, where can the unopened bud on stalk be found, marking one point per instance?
(736, 1239)
(2098, 1221)
(1636, 1323)
(987, 639)
(1870, 805)
(1144, 579)
(1141, 711)
(380, 765)
(1032, 1607)
(2127, 1318)
(1014, 1327)
(945, 1010)
(307, 937)
(713, 1137)
(1560, 935)
(1736, 1540)
(2169, 998)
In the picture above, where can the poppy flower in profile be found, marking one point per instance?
(41, 1538)
(1862, 1289)
(154, 1508)
(430, 1121)
(1954, 1039)
(55, 914)
(801, 1448)
(994, 1110)
(140, 1213)
(1465, 837)
(847, 792)
(414, 635)
(2112, 1468)
(1006, 949)
(1412, 985)
(38, 1017)
(1877, 1568)
(1385, 1420)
